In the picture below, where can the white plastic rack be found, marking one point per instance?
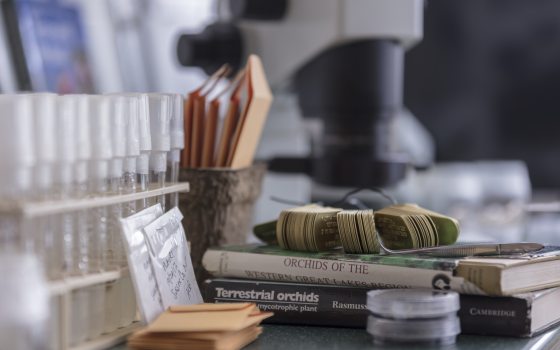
(35, 209)
(64, 288)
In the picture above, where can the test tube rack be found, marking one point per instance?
(63, 289)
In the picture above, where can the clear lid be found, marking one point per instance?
(158, 162)
(130, 165)
(421, 330)
(66, 129)
(142, 163)
(44, 111)
(116, 167)
(100, 127)
(145, 136)
(131, 126)
(17, 156)
(412, 303)
(16, 131)
(119, 110)
(174, 156)
(177, 128)
(82, 127)
(160, 115)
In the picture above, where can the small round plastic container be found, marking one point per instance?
(412, 303)
(413, 316)
(440, 331)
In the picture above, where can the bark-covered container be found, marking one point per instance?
(218, 209)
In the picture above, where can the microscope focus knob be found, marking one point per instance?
(219, 43)
(264, 10)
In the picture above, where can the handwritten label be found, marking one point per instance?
(172, 261)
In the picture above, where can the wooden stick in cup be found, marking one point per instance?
(230, 122)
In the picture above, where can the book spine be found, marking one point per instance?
(504, 316)
(293, 269)
(295, 304)
(314, 305)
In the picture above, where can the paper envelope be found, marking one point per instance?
(201, 341)
(253, 117)
(208, 318)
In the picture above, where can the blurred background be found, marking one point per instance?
(480, 91)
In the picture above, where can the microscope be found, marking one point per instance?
(345, 61)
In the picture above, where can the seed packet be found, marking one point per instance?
(140, 264)
(171, 260)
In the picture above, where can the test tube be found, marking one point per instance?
(44, 230)
(115, 309)
(128, 300)
(118, 141)
(145, 138)
(44, 111)
(16, 163)
(132, 152)
(101, 154)
(80, 297)
(116, 169)
(65, 122)
(177, 140)
(43, 114)
(160, 115)
(83, 145)
(132, 146)
(81, 177)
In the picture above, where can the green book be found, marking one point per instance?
(480, 275)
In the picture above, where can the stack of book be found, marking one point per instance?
(507, 295)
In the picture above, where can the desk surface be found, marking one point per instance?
(288, 337)
(309, 338)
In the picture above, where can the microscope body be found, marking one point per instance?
(345, 61)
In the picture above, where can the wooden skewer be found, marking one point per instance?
(188, 107)
(210, 125)
(230, 121)
(197, 130)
